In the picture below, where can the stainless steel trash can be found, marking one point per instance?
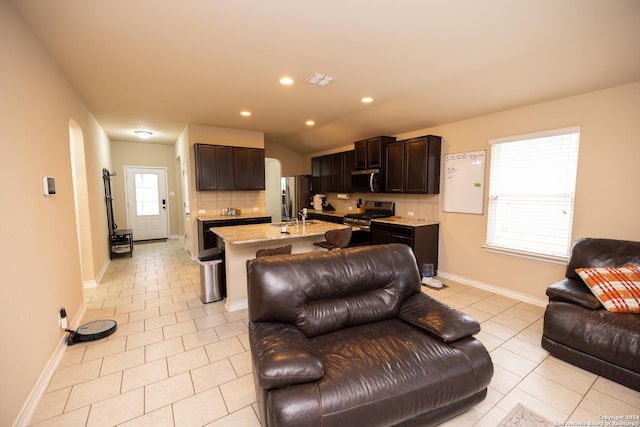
(212, 280)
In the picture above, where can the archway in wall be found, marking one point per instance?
(81, 201)
(273, 196)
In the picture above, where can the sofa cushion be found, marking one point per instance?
(283, 355)
(323, 292)
(609, 336)
(440, 320)
(383, 373)
(590, 252)
(617, 288)
(573, 291)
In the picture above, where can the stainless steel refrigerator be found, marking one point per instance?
(296, 194)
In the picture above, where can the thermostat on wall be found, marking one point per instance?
(48, 185)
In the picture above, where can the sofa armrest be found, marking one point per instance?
(438, 319)
(283, 355)
(575, 292)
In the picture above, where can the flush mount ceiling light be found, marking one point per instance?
(286, 81)
(245, 113)
(320, 79)
(309, 123)
(367, 100)
(143, 134)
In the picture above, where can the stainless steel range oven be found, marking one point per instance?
(362, 221)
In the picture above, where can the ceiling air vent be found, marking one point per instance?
(320, 79)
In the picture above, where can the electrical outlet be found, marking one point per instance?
(411, 213)
(62, 318)
(256, 209)
(202, 211)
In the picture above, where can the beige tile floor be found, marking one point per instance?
(177, 362)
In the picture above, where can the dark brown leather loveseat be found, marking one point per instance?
(346, 338)
(579, 330)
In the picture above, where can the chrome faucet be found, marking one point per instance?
(303, 215)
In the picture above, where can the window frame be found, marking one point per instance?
(492, 227)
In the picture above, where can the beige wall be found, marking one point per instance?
(39, 257)
(210, 202)
(144, 154)
(291, 162)
(608, 183)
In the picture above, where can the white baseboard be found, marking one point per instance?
(541, 302)
(94, 283)
(31, 404)
(89, 284)
(238, 305)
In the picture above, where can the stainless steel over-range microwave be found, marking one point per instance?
(366, 181)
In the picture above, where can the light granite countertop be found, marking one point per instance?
(395, 220)
(409, 222)
(254, 233)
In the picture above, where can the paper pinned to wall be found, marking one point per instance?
(464, 182)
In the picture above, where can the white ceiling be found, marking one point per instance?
(160, 64)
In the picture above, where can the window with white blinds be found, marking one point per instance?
(532, 191)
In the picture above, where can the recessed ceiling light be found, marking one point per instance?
(286, 81)
(367, 99)
(143, 134)
(320, 79)
(309, 123)
(245, 113)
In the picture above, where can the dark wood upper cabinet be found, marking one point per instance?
(224, 168)
(348, 167)
(316, 170)
(249, 168)
(256, 158)
(422, 164)
(413, 165)
(326, 163)
(337, 166)
(360, 148)
(394, 167)
(332, 172)
(369, 152)
(205, 156)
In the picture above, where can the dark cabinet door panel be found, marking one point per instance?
(325, 173)
(205, 156)
(394, 167)
(226, 168)
(415, 165)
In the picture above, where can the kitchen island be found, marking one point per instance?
(243, 241)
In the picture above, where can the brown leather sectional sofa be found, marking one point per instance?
(346, 338)
(579, 330)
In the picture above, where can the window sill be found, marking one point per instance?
(554, 259)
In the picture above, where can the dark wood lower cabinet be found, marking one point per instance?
(207, 239)
(423, 240)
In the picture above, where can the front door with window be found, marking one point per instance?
(147, 204)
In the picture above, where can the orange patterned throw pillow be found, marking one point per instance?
(617, 288)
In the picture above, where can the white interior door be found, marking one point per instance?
(147, 203)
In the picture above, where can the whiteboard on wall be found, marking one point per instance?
(464, 182)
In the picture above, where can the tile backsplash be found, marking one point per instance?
(213, 201)
(423, 206)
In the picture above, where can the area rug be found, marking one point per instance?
(521, 416)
